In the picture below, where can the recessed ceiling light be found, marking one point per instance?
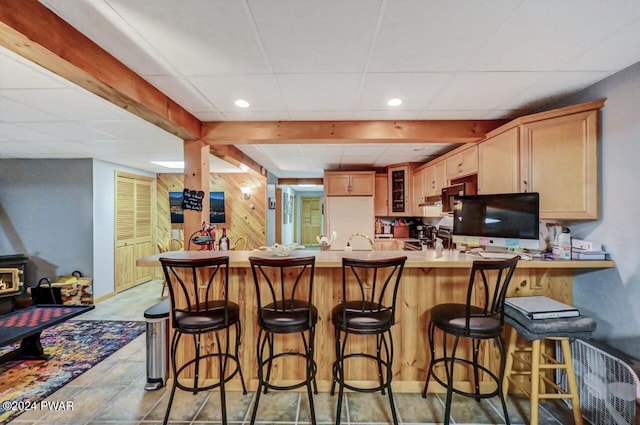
(241, 103)
(169, 164)
(394, 102)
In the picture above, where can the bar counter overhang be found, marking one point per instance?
(426, 281)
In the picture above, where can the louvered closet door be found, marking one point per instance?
(134, 229)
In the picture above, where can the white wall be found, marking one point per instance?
(613, 296)
(104, 177)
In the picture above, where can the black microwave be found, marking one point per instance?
(449, 194)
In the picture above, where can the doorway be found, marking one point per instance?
(310, 219)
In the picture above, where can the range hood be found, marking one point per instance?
(431, 207)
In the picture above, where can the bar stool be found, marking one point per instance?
(480, 319)
(367, 308)
(197, 310)
(284, 288)
(536, 331)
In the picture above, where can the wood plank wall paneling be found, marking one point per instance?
(242, 220)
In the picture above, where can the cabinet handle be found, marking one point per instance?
(460, 167)
(433, 184)
(525, 183)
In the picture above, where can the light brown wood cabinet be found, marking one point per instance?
(499, 163)
(352, 183)
(463, 163)
(134, 218)
(400, 188)
(559, 159)
(381, 196)
(428, 182)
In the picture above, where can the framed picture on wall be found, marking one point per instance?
(272, 203)
(285, 208)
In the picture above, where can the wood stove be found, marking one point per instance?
(12, 280)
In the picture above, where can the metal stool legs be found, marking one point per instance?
(541, 362)
(265, 340)
(223, 357)
(383, 341)
(450, 360)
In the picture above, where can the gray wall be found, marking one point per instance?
(46, 213)
(613, 296)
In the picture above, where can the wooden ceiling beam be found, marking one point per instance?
(235, 156)
(31, 30)
(264, 132)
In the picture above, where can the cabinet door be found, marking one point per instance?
(336, 184)
(399, 190)
(435, 179)
(418, 190)
(499, 163)
(380, 199)
(463, 163)
(559, 160)
(362, 184)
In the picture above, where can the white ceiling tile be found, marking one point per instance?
(414, 89)
(543, 34)
(16, 74)
(12, 111)
(317, 115)
(183, 30)
(480, 90)
(181, 91)
(242, 115)
(320, 91)
(69, 131)
(459, 114)
(312, 37)
(261, 91)
(208, 116)
(366, 115)
(133, 130)
(418, 35)
(23, 133)
(552, 87)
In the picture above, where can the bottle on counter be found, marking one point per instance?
(439, 247)
(223, 245)
(564, 244)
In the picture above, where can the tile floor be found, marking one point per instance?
(112, 392)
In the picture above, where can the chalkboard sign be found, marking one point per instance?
(192, 199)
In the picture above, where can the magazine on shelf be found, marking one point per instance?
(541, 307)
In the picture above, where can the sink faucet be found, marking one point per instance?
(362, 235)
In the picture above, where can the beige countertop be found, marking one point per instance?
(415, 259)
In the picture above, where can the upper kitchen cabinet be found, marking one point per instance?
(499, 163)
(428, 181)
(381, 196)
(462, 163)
(400, 187)
(559, 159)
(349, 183)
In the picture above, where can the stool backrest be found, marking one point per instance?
(489, 281)
(280, 282)
(197, 285)
(371, 285)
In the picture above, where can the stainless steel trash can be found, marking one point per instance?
(157, 318)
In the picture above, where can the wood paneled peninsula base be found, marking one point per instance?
(426, 281)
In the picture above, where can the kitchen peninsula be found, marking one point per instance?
(426, 281)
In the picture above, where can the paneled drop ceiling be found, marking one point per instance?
(314, 60)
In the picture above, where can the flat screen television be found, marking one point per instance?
(216, 207)
(508, 220)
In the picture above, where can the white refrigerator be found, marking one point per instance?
(347, 215)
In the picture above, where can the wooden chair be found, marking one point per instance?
(241, 244)
(174, 244)
(161, 249)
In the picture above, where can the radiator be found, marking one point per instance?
(608, 383)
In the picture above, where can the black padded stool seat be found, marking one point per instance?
(362, 316)
(540, 363)
(198, 294)
(207, 319)
(159, 310)
(368, 310)
(284, 289)
(480, 319)
(289, 317)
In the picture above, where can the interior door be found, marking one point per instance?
(311, 219)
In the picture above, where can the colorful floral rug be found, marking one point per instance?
(74, 347)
